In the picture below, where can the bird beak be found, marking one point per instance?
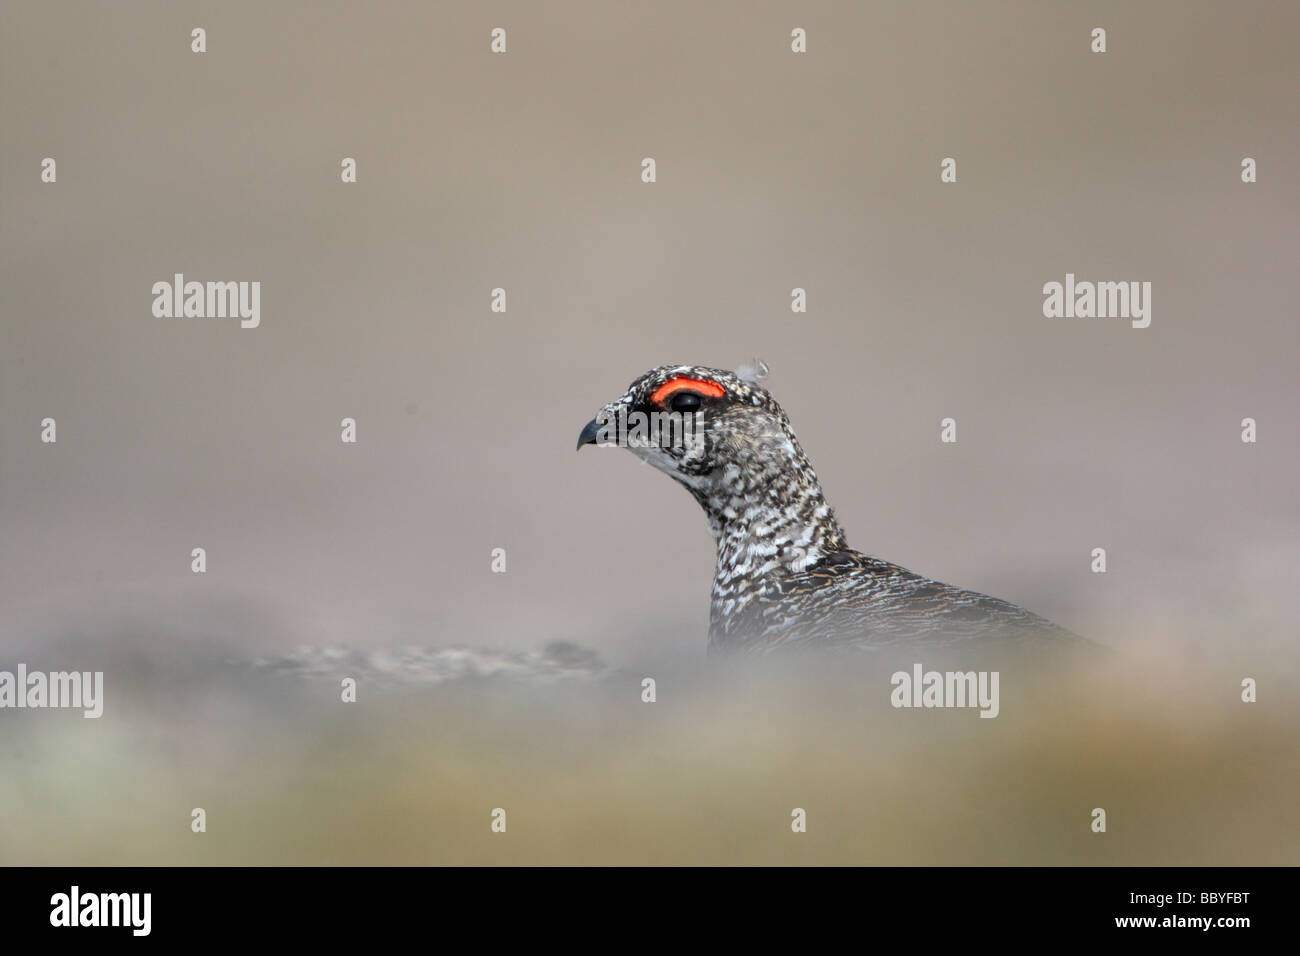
(589, 432)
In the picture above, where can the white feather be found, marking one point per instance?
(754, 371)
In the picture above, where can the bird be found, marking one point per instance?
(785, 576)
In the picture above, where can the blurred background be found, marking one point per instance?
(522, 171)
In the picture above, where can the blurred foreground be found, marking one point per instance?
(708, 774)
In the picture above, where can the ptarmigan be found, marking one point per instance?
(785, 574)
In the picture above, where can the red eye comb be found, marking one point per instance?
(704, 386)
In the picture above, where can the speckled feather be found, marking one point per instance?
(785, 576)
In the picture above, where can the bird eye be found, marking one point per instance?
(685, 401)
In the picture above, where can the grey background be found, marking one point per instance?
(522, 171)
(775, 170)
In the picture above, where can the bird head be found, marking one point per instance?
(700, 425)
(723, 436)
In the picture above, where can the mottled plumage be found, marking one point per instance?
(785, 575)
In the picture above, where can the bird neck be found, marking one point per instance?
(767, 518)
